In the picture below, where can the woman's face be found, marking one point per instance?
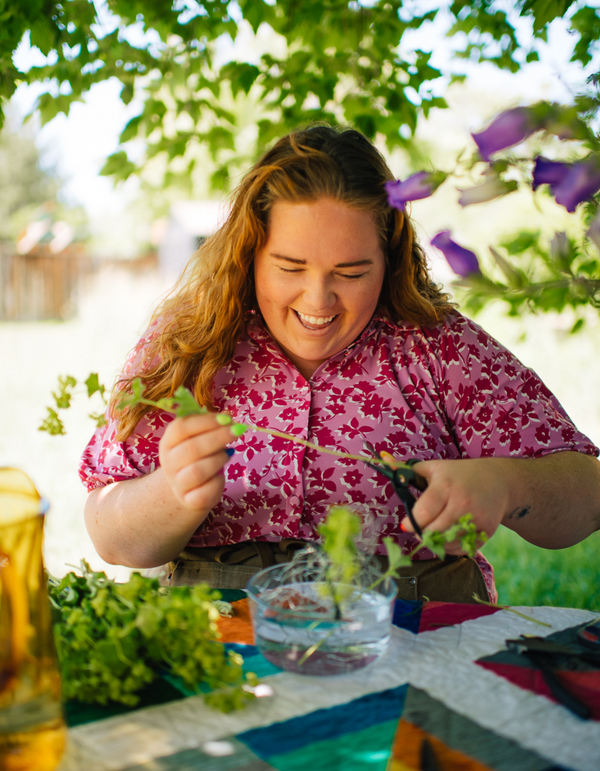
(318, 278)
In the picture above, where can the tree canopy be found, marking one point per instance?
(343, 61)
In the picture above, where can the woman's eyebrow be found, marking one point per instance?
(353, 264)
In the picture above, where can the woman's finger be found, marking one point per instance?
(205, 497)
(197, 474)
(427, 508)
(198, 446)
(181, 429)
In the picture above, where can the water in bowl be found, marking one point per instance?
(295, 628)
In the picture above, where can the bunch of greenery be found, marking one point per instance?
(113, 639)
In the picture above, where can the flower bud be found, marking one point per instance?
(419, 185)
(461, 260)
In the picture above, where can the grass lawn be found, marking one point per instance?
(527, 575)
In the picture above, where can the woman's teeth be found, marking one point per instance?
(313, 321)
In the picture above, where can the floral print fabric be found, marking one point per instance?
(450, 391)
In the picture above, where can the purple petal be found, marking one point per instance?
(580, 184)
(412, 188)
(461, 260)
(546, 172)
(509, 128)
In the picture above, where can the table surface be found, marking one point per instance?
(429, 679)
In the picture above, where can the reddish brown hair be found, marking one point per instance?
(201, 322)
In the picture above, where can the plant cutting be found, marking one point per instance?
(329, 611)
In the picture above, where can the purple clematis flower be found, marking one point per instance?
(509, 128)
(462, 261)
(413, 188)
(570, 183)
(580, 184)
(546, 172)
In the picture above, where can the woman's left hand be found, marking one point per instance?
(480, 487)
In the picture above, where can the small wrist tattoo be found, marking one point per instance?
(519, 512)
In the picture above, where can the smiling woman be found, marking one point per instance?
(311, 312)
(318, 278)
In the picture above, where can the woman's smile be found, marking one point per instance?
(318, 278)
(315, 323)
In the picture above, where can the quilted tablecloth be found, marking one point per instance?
(443, 697)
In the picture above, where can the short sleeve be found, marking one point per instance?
(105, 459)
(495, 405)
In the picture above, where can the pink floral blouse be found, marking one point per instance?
(450, 391)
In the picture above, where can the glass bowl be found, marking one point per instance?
(299, 628)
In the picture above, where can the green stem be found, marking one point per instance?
(478, 599)
(313, 446)
(390, 571)
(280, 435)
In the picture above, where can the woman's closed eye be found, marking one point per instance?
(342, 275)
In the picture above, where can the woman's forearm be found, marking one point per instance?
(139, 523)
(145, 522)
(554, 500)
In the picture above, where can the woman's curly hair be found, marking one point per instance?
(197, 327)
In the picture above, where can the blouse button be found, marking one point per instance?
(294, 501)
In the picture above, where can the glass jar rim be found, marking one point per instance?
(251, 590)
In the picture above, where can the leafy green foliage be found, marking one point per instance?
(538, 276)
(464, 531)
(113, 638)
(332, 61)
(342, 528)
(53, 423)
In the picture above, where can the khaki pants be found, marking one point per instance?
(454, 579)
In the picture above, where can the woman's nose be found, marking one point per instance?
(319, 295)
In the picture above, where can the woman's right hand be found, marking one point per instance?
(192, 454)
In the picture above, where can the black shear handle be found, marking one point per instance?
(401, 478)
(408, 499)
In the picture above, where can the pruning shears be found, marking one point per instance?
(402, 476)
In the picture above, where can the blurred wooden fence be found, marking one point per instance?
(41, 286)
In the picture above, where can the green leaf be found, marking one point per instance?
(340, 531)
(42, 35)
(118, 165)
(131, 129)
(112, 638)
(545, 11)
(577, 326)
(516, 279)
(93, 384)
(99, 418)
(186, 404)
(52, 423)
(66, 383)
(395, 557)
